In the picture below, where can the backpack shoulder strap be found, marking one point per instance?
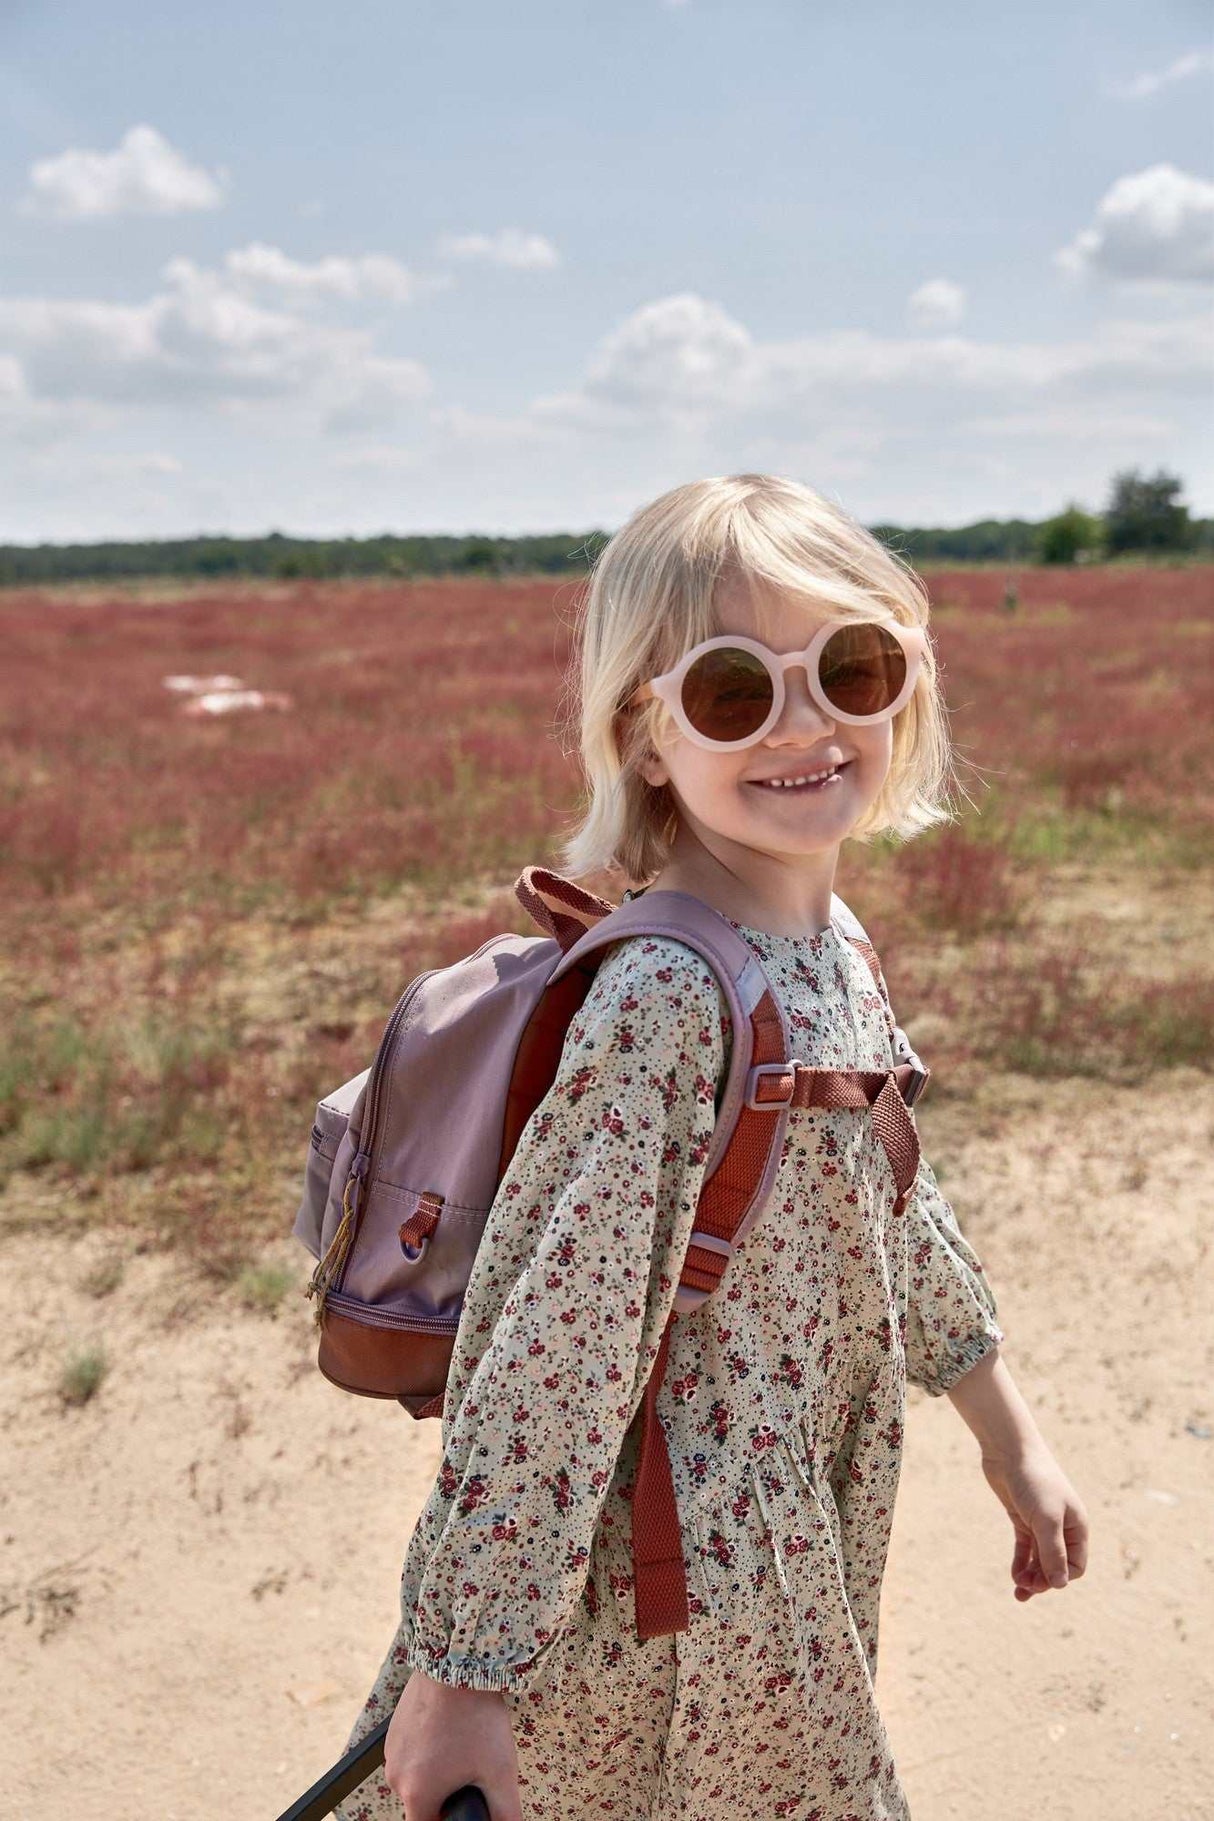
(742, 1164)
(748, 1141)
(849, 925)
(748, 1137)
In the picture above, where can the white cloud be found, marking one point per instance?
(937, 427)
(200, 342)
(508, 247)
(937, 304)
(679, 357)
(144, 176)
(1154, 226)
(12, 378)
(684, 363)
(30, 423)
(349, 279)
(1193, 63)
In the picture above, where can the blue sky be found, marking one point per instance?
(425, 267)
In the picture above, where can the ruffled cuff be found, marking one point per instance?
(955, 1358)
(465, 1672)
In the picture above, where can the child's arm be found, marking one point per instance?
(951, 1314)
(953, 1342)
(1047, 1516)
(568, 1300)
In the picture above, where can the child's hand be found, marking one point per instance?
(1050, 1523)
(440, 1738)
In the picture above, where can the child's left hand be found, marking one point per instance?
(1047, 1516)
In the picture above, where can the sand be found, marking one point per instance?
(199, 1565)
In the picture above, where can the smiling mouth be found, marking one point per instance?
(801, 790)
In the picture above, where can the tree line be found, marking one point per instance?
(1144, 516)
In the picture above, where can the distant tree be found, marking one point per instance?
(1146, 514)
(479, 556)
(1063, 537)
(217, 556)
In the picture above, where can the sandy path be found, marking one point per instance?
(198, 1568)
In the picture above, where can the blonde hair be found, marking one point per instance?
(650, 597)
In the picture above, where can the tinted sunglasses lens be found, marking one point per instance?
(862, 669)
(727, 694)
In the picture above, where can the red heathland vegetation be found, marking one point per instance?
(414, 746)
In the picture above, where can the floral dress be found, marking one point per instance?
(782, 1404)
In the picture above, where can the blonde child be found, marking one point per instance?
(517, 1666)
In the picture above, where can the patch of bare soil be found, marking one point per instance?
(1161, 916)
(199, 1565)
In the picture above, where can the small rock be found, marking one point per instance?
(1202, 1431)
(1160, 1498)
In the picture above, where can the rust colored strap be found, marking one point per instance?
(880, 1089)
(892, 1124)
(423, 1220)
(659, 1577)
(812, 1087)
(566, 911)
(562, 909)
(710, 1248)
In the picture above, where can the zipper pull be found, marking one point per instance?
(329, 1268)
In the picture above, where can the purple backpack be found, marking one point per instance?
(405, 1159)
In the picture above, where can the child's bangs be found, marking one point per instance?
(779, 552)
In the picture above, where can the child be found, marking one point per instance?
(517, 1666)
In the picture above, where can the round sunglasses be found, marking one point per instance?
(728, 691)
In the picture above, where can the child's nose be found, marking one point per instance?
(800, 710)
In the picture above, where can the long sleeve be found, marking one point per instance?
(951, 1309)
(569, 1295)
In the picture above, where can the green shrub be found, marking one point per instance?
(262, 1287)
(83, 1373)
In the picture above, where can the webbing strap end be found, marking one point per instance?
(783, 1076)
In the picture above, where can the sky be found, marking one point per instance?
(454, 265)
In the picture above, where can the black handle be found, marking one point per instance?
(466, 1804)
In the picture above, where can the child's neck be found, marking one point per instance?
(801, 909)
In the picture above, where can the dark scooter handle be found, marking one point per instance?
(466, 1804)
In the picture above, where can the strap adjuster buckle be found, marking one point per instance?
(904, 1057)
(773, 1103)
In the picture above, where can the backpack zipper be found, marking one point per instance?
(371, 1316)
(370, 1140)
(331, 1269)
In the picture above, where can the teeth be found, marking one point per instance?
(788, 783)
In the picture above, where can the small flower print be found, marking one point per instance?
(518, 1574)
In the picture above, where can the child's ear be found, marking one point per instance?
(650, 767)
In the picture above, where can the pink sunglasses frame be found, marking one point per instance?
(669, 688)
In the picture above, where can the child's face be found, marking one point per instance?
(717, 793)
